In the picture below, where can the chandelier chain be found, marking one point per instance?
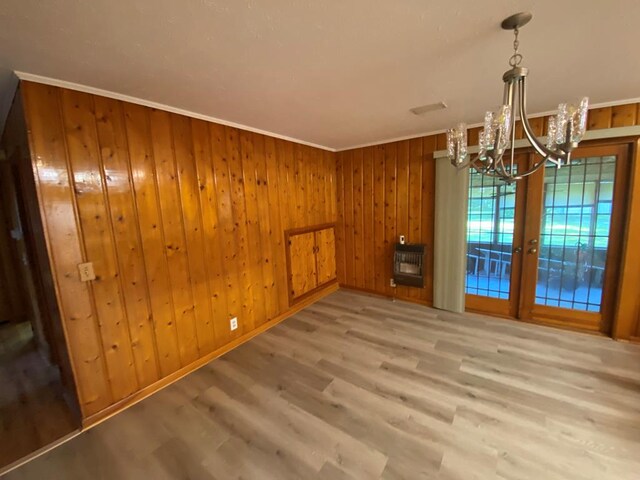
(516, 58)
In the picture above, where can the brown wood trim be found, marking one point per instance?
(626, 315)
(306, 295)
(311, 228)
(488, 305)
(492, 314)
(613, 267)
(111, 410)
(564, 325)
(575, 318)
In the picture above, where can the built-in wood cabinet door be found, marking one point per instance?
(302, 263)
(326, 255)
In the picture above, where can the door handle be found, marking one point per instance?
(518, 250)
(533, 250)
(533, 241)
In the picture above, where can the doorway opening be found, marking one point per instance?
(37, 403)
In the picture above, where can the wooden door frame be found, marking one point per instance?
(507, 307)
(626, 306)
(626, 320)
(603, 321)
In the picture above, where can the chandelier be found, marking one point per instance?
(565, 129)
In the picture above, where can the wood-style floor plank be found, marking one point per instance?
(359, 387)
(33, 412)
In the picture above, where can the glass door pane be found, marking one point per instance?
(574, 234)
(490, 233)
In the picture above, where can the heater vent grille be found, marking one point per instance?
(408, 265)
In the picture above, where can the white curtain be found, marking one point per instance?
(450, 243)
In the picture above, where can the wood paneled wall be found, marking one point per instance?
(385, 191)
(184, 222)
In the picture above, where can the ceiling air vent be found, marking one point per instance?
(432, 107)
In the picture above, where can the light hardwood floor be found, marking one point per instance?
(356, 387)
(33, 412)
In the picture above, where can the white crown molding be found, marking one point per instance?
(30, 77)
(139, 101)
(474, 125)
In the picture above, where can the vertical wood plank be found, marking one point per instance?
(623, 115)
(331, 173)
(317, 208)
(368, 218)
(428, 212)
(263, 255)
(286, 178)
(253, 242)
(229, 249)
(112, 139)
(211, 230)
(472, 138)
(390, 199)
(197, 262)
(340, 220)
(299, 185)
(402, 203)
(358, 220)
(174, 236)
(276, 232)
(97, 236)
(349, 247)
(150, 228)
(599, 118)
(247, 319)
(415, 198)
(379, 215)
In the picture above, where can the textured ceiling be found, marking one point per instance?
(333, 73)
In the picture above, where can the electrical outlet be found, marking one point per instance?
(233, 323)
(392, 282)
(86, 272)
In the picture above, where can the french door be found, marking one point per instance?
(540, 249)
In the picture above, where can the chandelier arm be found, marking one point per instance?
(555, 157)
(532, 170)
(463, 165)
(500, 168)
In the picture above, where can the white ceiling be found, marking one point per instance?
(336, 73)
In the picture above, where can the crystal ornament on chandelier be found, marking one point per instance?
(565, 130)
